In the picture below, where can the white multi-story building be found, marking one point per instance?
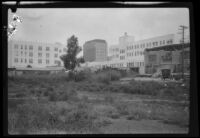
(130, 53)
(34, 54)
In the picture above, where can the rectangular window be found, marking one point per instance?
(156, 43)
(39, 54)
(16, 60)
(56, 49)
(16, 46)
(40, 61)
(166, 57)
(152, 58)
(16, 53)
(163, 42)
(47, 55)
(30, 54)
(122, 57)
(47, 48)
(30, 47)
(21, 60)
(47, 61)
(40, 48)
(25, 47)
(30, 60)
(21, 46)
(25, 60)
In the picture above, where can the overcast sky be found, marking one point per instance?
(56, 25)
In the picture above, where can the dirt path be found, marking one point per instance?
(123, 126)
(129, 98)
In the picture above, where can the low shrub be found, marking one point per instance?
(137, 114)
(31, 117)
(80, 76)
(103, 78)
(53, 96)
(139, 87)
(122, 108)
(108, 98)
(177, 77)
(85, 98)
(46, 93)
(18, 95)
(70, 94)
(80, 119)
(115, 75)
(71, 75)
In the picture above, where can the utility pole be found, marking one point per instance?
(182, 28)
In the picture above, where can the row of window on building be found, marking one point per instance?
(114, 49)
(110, 65)
(16, 60)
(118, 65)
(39, 48)
(135, 64)
(150, 44)
(31, 54)
(136, 53)
(122, 57)
(122, 51)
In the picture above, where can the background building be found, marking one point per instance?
(125, 39)
(34, 54)
(167, 57)
(128, 53)
(95, 50)
(135, 50)
(131, 52)
(118, 51)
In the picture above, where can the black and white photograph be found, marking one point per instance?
(98, 70)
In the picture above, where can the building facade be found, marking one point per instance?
(167, 57)
(95, 50)
(129, 53)
(34, 54)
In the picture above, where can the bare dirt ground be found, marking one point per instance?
(122, 125)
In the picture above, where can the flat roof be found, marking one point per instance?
(96, 40)
(37, 69)
(169, 47)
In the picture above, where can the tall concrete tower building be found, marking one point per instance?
(95, 50)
